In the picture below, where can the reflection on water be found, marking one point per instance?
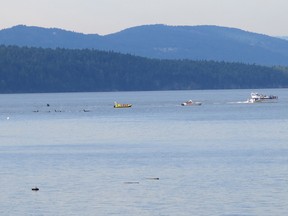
(220, 158)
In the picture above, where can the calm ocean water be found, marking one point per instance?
(223, 158)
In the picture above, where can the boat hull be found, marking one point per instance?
(191, 103)
(117, 105)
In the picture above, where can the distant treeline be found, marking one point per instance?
(65, 70)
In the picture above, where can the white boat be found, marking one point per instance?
(191, 103)
(256, 97)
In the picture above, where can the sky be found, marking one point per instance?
(109, 16)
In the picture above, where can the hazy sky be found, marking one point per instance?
(109, 16)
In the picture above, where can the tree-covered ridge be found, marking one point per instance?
(65, 70)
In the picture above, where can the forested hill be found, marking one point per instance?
(64, 70)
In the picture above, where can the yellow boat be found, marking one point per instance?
(118, 105)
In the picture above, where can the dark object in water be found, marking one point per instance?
(35, 189)
(153, 178)
(131, 182)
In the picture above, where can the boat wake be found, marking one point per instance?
(240, 102)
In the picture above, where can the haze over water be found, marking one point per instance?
(87, 158)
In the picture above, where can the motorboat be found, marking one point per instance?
(191, 103)
(256, 97)
(263, 97)
(119, 105)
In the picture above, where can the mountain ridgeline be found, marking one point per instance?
(24, 69)
(162, 42)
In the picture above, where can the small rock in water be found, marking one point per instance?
(131, 182)
(153, 178)
(35, 189)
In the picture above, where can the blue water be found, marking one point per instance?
(224, 158)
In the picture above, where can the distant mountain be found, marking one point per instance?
(163, 42)
(47, 38)
(284, 37)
